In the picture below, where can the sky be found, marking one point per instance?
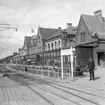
(27, 14)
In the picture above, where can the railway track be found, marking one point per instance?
(21, 77)
(57, 84)
(13, 77)
(57, 88)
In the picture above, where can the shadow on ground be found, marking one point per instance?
(97, 78)
(79, 77)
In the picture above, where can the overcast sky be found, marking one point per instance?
(25, 14)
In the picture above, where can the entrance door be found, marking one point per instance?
(101, 59)
(83, 53)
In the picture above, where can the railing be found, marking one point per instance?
(44, 70)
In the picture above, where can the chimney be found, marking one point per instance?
(59, 28)
(98, 14)
(68, 25)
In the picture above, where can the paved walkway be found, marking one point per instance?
(99, 82)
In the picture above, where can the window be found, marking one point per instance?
(48, 46)
(82, 35)
(45, 47)
(55, 45)
(52, 46)
(59, 44)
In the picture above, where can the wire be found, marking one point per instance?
(3, 29)
(3, 23)
(26, 13)
(16, 9)
(24, 16)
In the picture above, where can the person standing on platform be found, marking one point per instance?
(91, 67)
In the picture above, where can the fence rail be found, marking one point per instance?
(44, 70)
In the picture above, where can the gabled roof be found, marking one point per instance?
(47, 32)
(56, 34)
(70, 31)
(93, 23)
(28, 40)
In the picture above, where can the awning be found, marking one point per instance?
(101, 48)
(85, 44)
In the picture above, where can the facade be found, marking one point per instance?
(90, 38)
(42, 35)
(62, 39)
(33, 45)
(52, 46)
(46, 45)
(33, 49)
(23, 52)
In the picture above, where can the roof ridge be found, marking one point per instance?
(28, 36)
(92, 23)
(47, 28)
(87, 15)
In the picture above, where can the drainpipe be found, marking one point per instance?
(95, 46)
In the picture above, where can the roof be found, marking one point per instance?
(34, 37)
(101, 35)
(70, 30)
(28, 40)
(47, 32)
(56, 34)
(93, 23)
(101, 48)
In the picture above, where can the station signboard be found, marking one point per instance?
(67, 52)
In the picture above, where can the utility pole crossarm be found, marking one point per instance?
(4, 24)
(8, 27)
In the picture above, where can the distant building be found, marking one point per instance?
(42, 35)
(33, 49)
(23, 52)
(46, 45)
(62, 39)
